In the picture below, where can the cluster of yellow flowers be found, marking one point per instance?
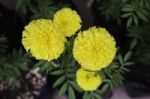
(94, 48)
(45, 38)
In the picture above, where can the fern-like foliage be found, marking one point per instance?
(39, 8)
(135, 11)
(142, 50)
(111, 9)
(11, 68)
(12, 65)
(23, 5)
(45, 9)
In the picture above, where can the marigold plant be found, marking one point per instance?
(87, 62)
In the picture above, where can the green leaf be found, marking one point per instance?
(97, 96)
(125, 69)
(128, 9)
(58, 72)
(71, 93)
(46, 67)
(90, 2)
(121, 59)
(72, 76)
(86, 95)
(126, 15)
(145, 12)
(129, 63)
(111, 85)
(19, 3)
(59, 81)
(127, 56)
(133, 43)
(104, 88)
(129, 22)
(75, 86)
(39, 64)
(141, 16)
(23, 67)
(135, 19)
(63, 89)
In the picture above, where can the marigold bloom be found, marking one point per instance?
(87, 80)
(41, 38)
(68, 21)
(94, 49)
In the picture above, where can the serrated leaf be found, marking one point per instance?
(111, 85)
(39, 64)
(104, 88)
(16, 71)
(128, 9)
(121, 59)
(97, 96)
(129, 22)
(58, 72)
(114, 66)
(71, 93)
(135, 19)
(145, 12)
(133, 43)
(147, 4)
(72, 76)
(127, 56)
(18, 3)
(86, 95)
(46, 66)
(141, 16)
(121, 71)
(125, 69)
(129, 63)
(106, 80)
(90, 2)
(59, 81)
(126, 15)
(75, 86)
(63, 89)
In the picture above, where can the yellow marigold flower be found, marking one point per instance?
(94, 49)
(42, 39)
(87, 80)
(68, 21)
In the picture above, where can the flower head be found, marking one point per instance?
(87, 80)
(94, 49)
(68, 21)
(41, 38)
